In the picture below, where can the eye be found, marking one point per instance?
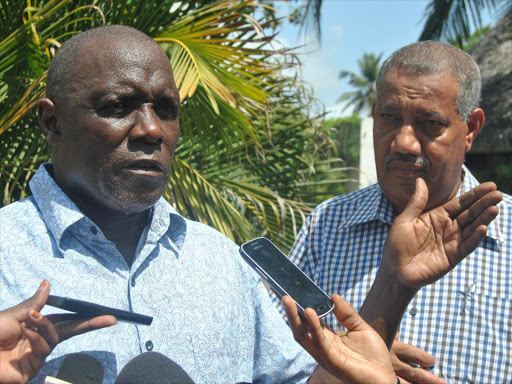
(167, 111)
(115, 109)
(431, 126)
(387, 116)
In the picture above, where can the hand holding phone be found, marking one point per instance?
(284, 277)
(87, 309)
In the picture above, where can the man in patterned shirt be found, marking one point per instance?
(426, 117)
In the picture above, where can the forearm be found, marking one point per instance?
(385, 305)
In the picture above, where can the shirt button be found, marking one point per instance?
(413, 311)
(149, 345)
(94, 231)
(132, 281)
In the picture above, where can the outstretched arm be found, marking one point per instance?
(423, 247)
(356, 356)
(27, 337)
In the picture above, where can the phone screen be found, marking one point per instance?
(285, 277)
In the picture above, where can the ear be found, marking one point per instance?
(475, 124)
(48, 121)
(373, 109)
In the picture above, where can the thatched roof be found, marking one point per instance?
(494, 57)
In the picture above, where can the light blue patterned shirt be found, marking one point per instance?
(464, 320)
(211, 313)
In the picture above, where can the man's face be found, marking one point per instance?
(418, 132)
(118, 126)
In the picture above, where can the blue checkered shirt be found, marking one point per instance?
(464, 319)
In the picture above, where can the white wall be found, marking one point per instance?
(368, 174)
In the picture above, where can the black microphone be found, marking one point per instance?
(154, 368)
(79, 368)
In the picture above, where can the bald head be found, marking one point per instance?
(432, 58)
(62, 72)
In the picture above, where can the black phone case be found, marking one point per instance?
(90, 310)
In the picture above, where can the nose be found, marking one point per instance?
(147, 126)
(406, 141)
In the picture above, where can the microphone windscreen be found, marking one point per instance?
(154, 368)
(79, 368)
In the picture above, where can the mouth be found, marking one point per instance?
(406, 170)
(147, 168)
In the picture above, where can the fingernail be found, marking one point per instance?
(43, 283)
(36, 314)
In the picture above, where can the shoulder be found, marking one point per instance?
(353, 206)
(21, 214)
(355, 198)
(22, 228)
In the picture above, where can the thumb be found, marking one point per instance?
(347, 315)
(37, 301)
(417, 203)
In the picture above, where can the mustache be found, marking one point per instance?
(407, 158)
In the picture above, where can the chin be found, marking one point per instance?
(134, 202)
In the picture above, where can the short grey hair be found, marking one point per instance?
(434, 57)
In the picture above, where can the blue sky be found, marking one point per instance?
(350, 28)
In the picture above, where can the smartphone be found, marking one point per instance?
(88, 309)
(284, 277)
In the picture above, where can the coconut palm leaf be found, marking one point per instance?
(452, 19)
(242, 164)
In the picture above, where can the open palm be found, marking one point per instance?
(356, 356)
(423, 247)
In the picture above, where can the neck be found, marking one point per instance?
(124, 229)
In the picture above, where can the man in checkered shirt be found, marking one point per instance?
(426, 117)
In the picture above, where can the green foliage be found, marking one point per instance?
(452, 20)
(247, 148)
(467, 43)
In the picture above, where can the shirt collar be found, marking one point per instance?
(60, 213)
(371, 205)
(58, 210)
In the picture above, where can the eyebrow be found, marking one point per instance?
(423, 112)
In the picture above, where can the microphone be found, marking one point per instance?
(154, 368)
(79, 368)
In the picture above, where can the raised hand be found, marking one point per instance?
(356, 356)
(27, 337)
(423, 247)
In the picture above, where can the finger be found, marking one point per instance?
(481, 212)
(416, 375)
(348, 315)
(292, 312)
(300, 329)
(417, 202)
(411, 354)
(76, 327)
(37, 301)
(322, 346)
(44, 327)
(468, 245)
(455, 206)
(56, 318)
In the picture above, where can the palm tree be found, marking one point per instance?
(364, 94)
(451, 20)
(232, 169)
